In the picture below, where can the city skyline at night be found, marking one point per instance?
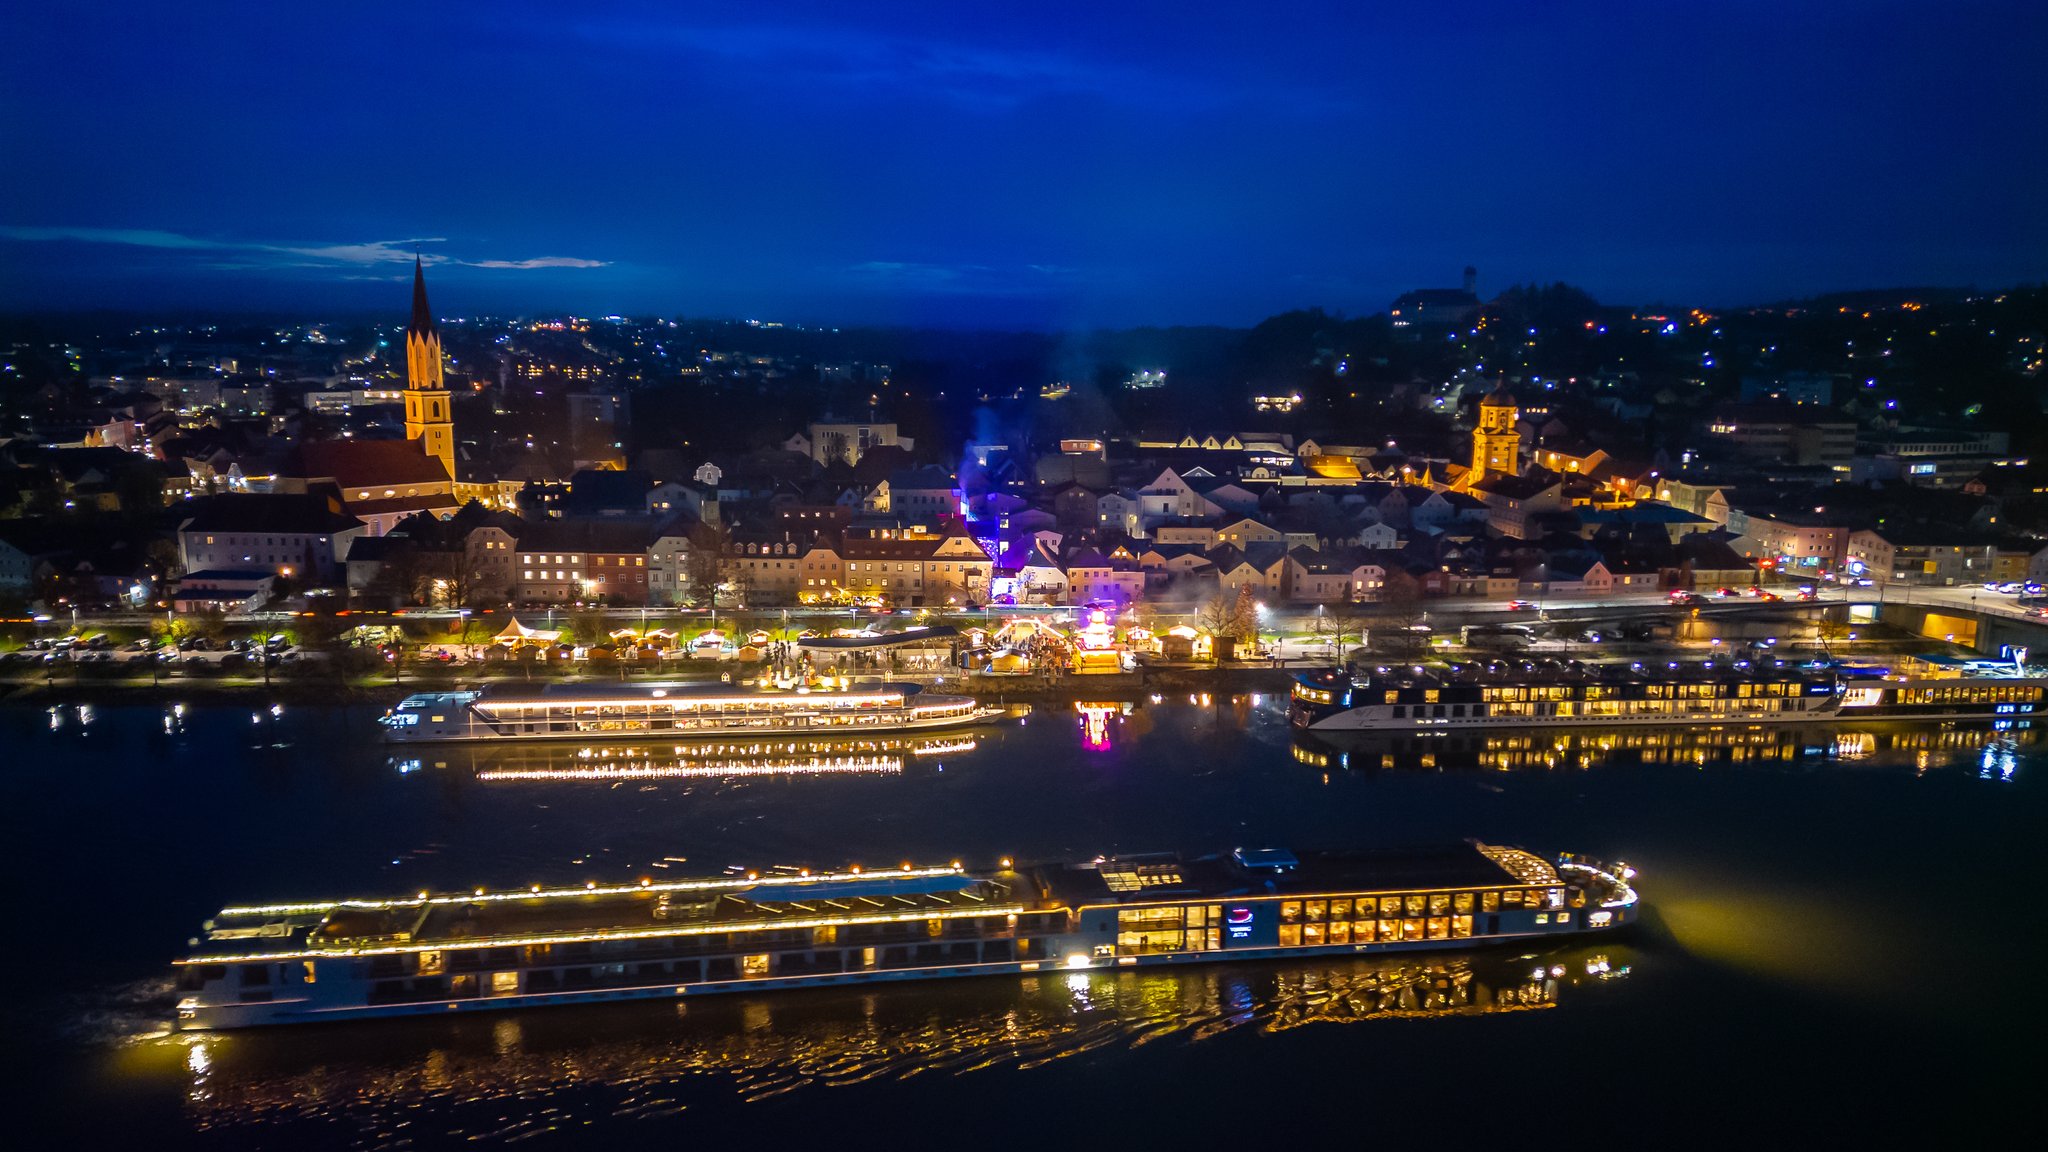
(648, 574)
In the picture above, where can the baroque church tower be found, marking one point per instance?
(1496, 442)
(429, 417)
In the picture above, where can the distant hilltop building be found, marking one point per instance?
(845, 442)
(1438, 307)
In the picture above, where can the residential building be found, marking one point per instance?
(582, 561)
(303, 536)
(1922, 554)
(845, 442)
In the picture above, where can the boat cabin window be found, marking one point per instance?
(194, 977)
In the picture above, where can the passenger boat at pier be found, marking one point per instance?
(1550, 693)
(457, 952)
(667, 710)
(1944, 697)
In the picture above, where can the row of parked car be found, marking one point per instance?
(99, 649)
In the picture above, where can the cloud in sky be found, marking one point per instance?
(363, 254)
(538, 262)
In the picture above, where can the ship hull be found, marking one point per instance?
(227, 1017)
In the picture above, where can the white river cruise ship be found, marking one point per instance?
(667, 710)
(1553, 693)
(433, 954)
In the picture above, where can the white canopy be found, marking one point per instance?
(516, 633)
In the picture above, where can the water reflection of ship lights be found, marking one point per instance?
(1999, 760)
(882, 756)
(1996, 749)
(527, 1073)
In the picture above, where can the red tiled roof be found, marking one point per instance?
(366, 463)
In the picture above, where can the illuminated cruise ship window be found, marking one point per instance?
(1129, 877)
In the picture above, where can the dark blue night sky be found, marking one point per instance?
(1030, 165)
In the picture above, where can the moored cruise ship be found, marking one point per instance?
(1945, 697)
(666, 710)
(1560, 693)
(433, 954)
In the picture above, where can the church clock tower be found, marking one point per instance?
(429, 418)
(1496, 443)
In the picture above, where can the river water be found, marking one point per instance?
(1836, 944)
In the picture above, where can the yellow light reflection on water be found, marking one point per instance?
(495, 1077)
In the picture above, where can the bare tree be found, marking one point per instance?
(1400, 636)
(1229, 615)
(1343, 619)
(705, 565)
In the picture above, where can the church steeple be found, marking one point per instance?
(422, 316)
(428, 415)
(1496, 441)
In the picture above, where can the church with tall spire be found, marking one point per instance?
(378, 481)
(429, 417)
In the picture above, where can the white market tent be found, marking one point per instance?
(516, 634)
